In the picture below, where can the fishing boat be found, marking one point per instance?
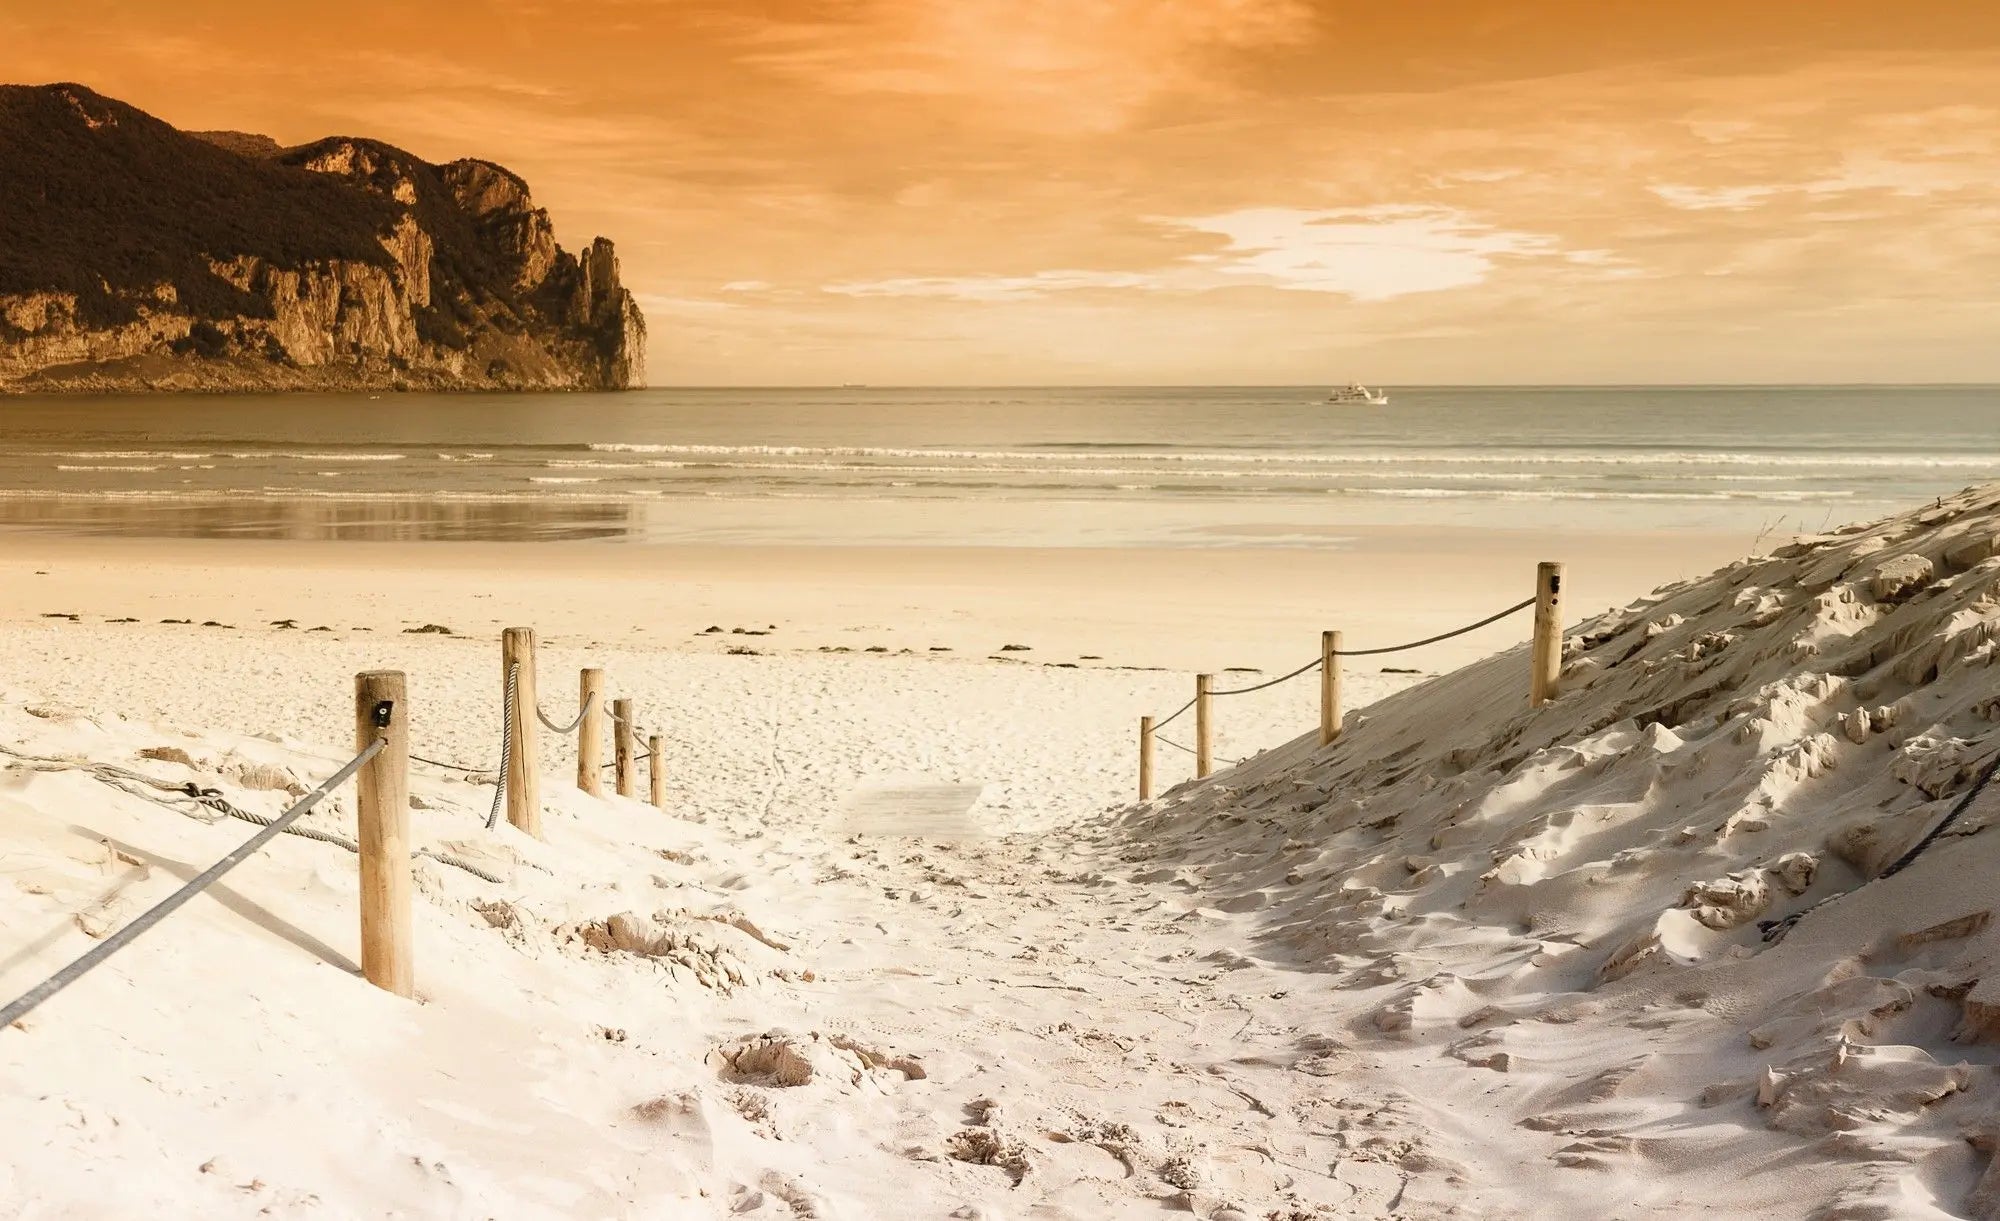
(1358, 394)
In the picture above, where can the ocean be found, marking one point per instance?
(1192, 467)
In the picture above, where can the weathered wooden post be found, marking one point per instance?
(382, 788)
(1203, 755)
(621, 737)
(656, 770)
(590, 733)
(1329, 687)
(1145, 758)
(524, 782)
(1545, 681)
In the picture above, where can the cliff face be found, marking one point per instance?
(140, 257)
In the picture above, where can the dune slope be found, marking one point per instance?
(1579, 912)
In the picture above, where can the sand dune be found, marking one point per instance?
(1590, 899)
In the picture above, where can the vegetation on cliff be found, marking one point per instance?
(102, 200)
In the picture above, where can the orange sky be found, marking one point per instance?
(810, 191)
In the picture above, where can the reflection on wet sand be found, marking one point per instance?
(322, 519)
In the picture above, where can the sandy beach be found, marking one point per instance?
(1253, 997)
(1423, 972)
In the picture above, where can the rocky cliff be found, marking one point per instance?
(134, 256)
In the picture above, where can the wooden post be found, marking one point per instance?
(590, 734)
(1329, 687)
(1145, 758)
(382, 786)
(1203, 756)
(656, 771)
(524, 780)
(1545, 680)
(621, 737)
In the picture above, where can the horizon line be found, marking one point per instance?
(1940, 385)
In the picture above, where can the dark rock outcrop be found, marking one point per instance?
(142, 257)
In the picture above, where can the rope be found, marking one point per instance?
(506, 741)
(1187, 750)
(1418, 644)
(638, 736)
(453, 767)
(635, 760)
(335, 838)
(1311, 665)
(1774, 930)
(1159, 725)
(1903, 862)
(24, 1004)
(1314, 664)
(571, 727)
(129, 782)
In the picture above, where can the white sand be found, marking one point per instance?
(1441, 967)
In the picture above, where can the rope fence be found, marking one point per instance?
(510, 688)
(1544, 678)
(454, 767)
(24, 1004)
(380, 770)
(208, 804)
(566, 730)
(1188, 750)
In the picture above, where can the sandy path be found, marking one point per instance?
(1109, 1050)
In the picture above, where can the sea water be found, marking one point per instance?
(1181, 466)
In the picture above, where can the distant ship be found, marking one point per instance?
(1358, 393)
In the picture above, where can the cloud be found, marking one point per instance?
(659, 304)
(1365, 254)
(1068, 66)
(1966, 167)
(1909, 177)
(993, 288)
(1703, 199)
(431, 73)
(1368, 254)
(1720, 131)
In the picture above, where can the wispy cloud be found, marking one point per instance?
(659, 304)
(1952, 168)
(1369, 254)
(1703, 199)
(995, 288)
(1069, 65)
(1365, 254)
